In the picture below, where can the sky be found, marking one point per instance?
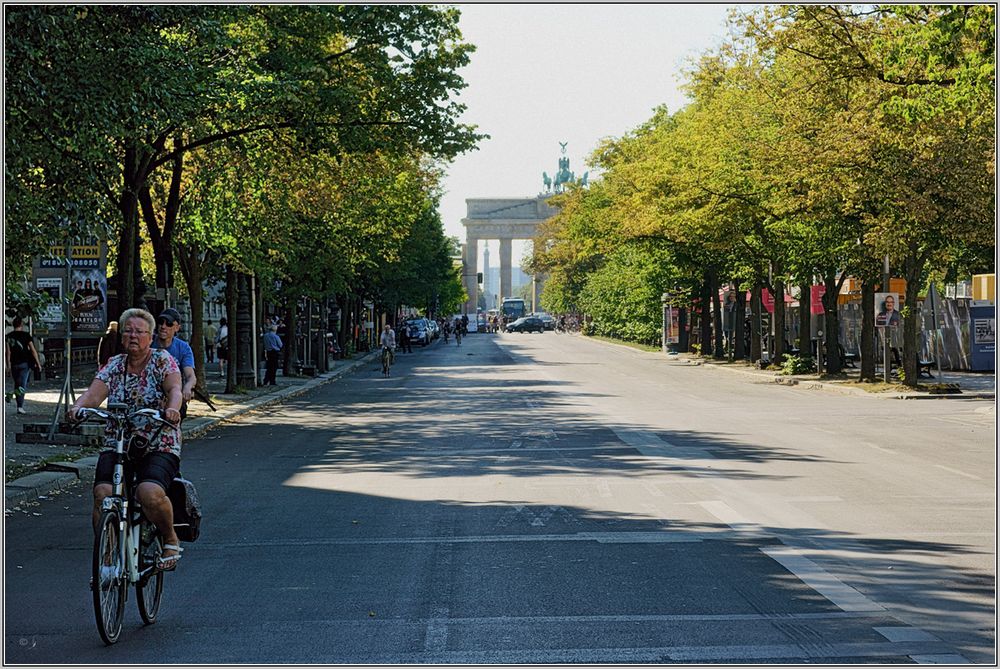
(549, 73)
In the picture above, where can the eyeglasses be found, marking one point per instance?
(134, 333)
(164, 321)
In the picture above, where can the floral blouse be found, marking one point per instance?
(142, 391)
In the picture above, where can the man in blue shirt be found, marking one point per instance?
(167, 325)
(272, 345)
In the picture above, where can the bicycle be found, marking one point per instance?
(126, 544)
(386, 360)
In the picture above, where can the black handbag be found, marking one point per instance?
(187, 509)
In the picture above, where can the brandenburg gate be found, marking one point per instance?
(505, 219)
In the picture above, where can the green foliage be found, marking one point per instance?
(623, 296)
(795, 364)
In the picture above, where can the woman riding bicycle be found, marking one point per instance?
(388, 343)
(142, 377)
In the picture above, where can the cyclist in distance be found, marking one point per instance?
(388, 343)
(142, 378)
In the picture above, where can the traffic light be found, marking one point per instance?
(479, 277)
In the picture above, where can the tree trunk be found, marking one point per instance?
(345, 322)
(683, 336)
(246, 375)
(805, 318)
(756, 320)
(834, 361)
(193, 271)
(706, 314)
(739, 327)
(718, 348)
(128, 258)
(913, 268)
(779, 322)
(291, 337)
(868, 330)
(231, 293)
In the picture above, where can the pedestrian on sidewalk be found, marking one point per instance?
(222, 342)
(168, 323)
(210, 331)
(21, 359)
(110, 344)
(272, 346)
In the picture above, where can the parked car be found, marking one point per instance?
(419, 331)
(526, 324)
(435, 328)
(548, 320)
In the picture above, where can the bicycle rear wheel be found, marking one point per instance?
(110, 582)
(149, 589)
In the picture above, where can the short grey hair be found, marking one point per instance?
(137, 313)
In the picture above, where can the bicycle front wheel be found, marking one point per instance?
(149, 589)
(110, 580)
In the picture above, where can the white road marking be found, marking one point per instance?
(662, 537)
(603, 488)
(727, 514)
(820, 580)
(955, 471)
(897, 634)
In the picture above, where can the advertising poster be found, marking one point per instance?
(89, 303)
(886, 313)
(54, 313)
(673, 334)
(984, 337)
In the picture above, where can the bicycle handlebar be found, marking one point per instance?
(86, 412)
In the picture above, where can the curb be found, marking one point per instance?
(31, 487)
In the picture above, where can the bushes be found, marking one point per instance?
(796, 364)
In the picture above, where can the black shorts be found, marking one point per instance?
(157, 467)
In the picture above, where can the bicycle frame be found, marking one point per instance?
(119, 500)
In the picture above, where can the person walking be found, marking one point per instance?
(21, 359)
(209, 331)
(110, 344)
(404, 339)
(222, 342)
(272, 346)
(168, 323)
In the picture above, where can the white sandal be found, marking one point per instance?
(169, 562)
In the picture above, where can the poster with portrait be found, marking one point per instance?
(54, 313)
(88, 294)
(887, 310)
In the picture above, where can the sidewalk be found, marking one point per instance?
(973, 385)
(32, 470)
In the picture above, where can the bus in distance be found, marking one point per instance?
(512, 308)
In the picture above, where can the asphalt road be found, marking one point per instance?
(545, 499)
